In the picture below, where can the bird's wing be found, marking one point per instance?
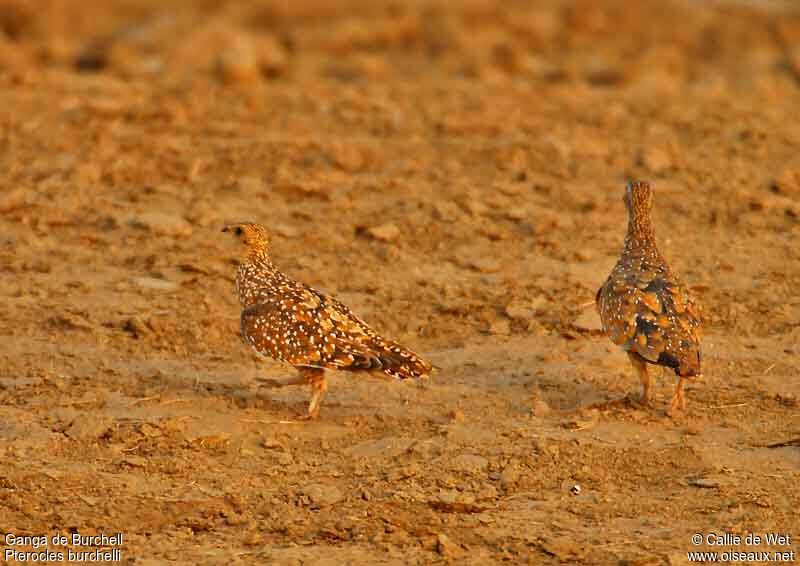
(617, 309)
(392, 358)
(305, 328)
(649, 312)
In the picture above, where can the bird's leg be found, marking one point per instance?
(316, 378)
(678, 400)
(641, 369)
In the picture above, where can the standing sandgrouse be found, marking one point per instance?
(644, 308)
(291, 322)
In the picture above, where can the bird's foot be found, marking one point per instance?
(637, 400)
(311, 415)
(677, 405)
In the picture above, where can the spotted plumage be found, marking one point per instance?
(643, 307)
(294, 323)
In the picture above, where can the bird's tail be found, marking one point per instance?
(686, 361)
(689, 362)
(400, 362)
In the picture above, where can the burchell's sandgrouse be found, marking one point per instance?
(291, 322)
(642, 305)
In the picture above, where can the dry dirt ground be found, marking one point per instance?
(454, 172)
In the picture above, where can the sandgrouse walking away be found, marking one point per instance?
(291, 322)
(644, 308)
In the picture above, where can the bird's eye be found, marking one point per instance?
(239, 231)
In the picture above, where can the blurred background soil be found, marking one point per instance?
(453, 170)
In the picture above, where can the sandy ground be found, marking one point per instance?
(454, 172)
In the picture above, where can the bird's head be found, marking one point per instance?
(638, 198)
(252, 237)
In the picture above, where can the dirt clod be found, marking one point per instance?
(384, 232)
(163, 224)
(321, 495)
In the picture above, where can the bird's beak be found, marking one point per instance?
(225, 229)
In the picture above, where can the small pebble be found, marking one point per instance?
(384, 232)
